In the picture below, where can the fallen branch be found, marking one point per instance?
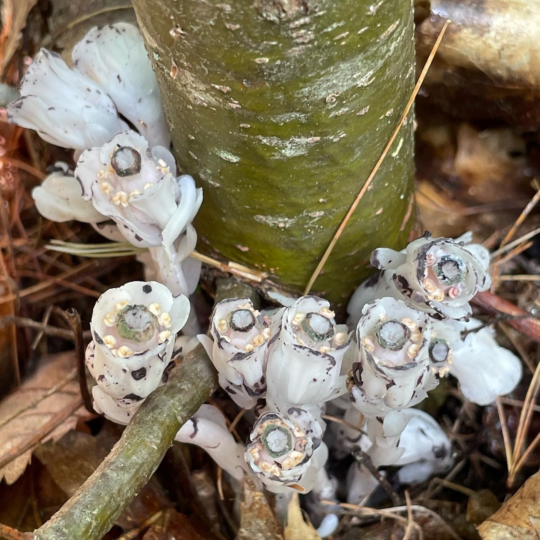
(98, 503)
(523, 322)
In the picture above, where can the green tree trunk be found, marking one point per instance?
(280, 109)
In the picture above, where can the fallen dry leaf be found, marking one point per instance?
(297, 528)
(45, 407)
(14, 14)
(518, 518)
(258, 521)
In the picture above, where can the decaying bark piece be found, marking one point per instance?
(280, 109)
(488, 65)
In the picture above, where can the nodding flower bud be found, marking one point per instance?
(305, 358)
(208, 430)
(137, 188)
(239, 349)
(392, 368)
(436, 275)
(280, 451)
(133, 329)
(114, 56)
(59, 199)
(427, 449)
(484, 369)
(65, 107)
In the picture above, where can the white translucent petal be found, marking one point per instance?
(63, 106)
(115, 57)
(59, 199)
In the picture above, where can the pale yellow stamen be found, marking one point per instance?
(328, 313)
(105, 187)
(249, 347)
(164, 336)
(155, 309)
(412, 351)
(124, 351)
(266, 333)
(110, 341)
(298, 318)
(109, 319)
(222, 325)
(120, 305)
(258, 340)
(340, 338)
(120, 197)
(165, 319)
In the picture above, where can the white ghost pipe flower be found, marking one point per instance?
(385, 434)
(114, 409)
(114, 56)
(239, 349)
(427, 449)
(136, 187)
(59, 199)
(208, 429)
(360, 483)
(438, 276)
(134, 329)
(484, 369)
(63, 106)
(305, 358)
(280, 451)
(173, 267)
(392, 369)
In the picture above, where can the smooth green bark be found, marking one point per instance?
(280, 109)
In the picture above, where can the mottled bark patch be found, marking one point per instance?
(284, 10)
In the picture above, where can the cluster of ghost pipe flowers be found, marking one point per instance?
(127, 176)
(280, 451)
(438, 276)
(239, 349)
(306, 355)
(78, 108)
(133, 329)
(392, 368)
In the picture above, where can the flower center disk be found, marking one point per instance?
(317, 327)
(136, 323)
(438, 350)
(242, 320)
(277, 441)
(126, 161)
(450, 270)
(392, 335)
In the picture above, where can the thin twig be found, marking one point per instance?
(519, 221)
(496, 254)
(18, 164)
(506, 435)
(29, 323)
(518, 277)
(73, 318)
(365, 460)
(371, 176)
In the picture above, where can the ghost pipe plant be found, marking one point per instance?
(392, 368)
(306, 356)
(484, 369)
(63, 106)
(114, 57)
(138, 189)
(427, 449)
(59, 198)
(239, 349)
(207, 429)
(438, 276)
(283, 455)
(79, 108)
(134, 328)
